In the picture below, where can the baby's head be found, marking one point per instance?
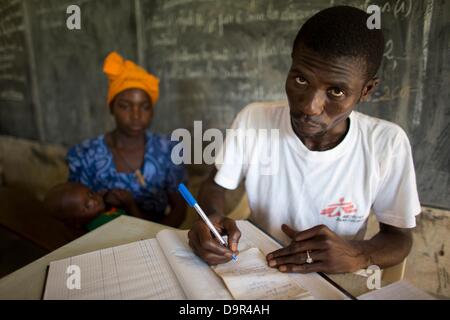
(74, 203)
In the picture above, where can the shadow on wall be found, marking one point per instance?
(29, 170)
(31, 166)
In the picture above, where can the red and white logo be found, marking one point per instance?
(338, 209)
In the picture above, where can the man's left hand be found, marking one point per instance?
(329, 252)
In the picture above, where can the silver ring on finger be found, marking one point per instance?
(309, 260)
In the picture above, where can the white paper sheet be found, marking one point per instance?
(317, 286)
(250, 278)
(133, 271)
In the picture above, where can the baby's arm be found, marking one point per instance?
(123, 199)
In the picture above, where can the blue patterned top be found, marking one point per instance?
(91, 163)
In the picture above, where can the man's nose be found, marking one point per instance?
(315, 103)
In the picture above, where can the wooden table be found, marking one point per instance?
(28, 282)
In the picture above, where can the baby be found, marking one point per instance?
(79, 207)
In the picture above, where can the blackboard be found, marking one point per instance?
(72, 87)
(431, 136)
(16, 110)
(216, 56)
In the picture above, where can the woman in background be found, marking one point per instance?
(130, 158)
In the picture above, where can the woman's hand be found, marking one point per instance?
(123, 199)
(119, 198)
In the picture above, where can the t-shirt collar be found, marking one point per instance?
(346, 145)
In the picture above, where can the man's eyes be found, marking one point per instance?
(301, 80)
(336, 92)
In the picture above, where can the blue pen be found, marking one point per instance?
(193, 203)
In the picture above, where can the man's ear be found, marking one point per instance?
(369, 88)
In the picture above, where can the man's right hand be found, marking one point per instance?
(205, 244)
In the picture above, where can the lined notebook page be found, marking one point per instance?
(137, 270)
(194, 275)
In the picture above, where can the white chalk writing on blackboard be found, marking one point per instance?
(12, 52)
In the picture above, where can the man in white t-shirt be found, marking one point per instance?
(313, 186)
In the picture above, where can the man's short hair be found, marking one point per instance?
(342, 32)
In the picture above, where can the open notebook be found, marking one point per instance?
(166, 268)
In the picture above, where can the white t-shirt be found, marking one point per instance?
(372, 168)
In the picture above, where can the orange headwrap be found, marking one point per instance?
(125, 74)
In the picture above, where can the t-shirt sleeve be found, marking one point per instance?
(230, 160)
(397, 201)
(79, 167)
